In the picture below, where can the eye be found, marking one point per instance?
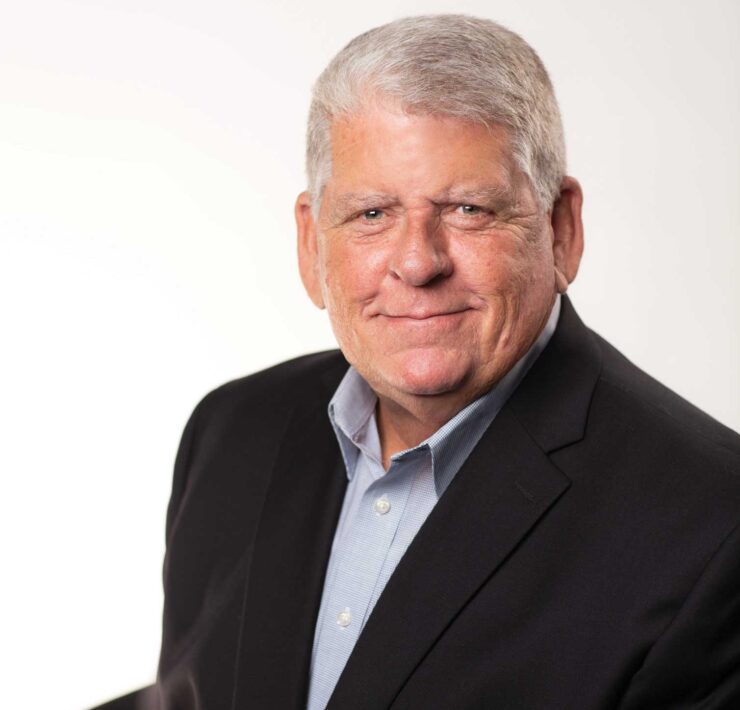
(470, 209)
(372, 215)
(467, 216)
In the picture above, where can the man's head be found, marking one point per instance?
(438, 225)
(453, 65)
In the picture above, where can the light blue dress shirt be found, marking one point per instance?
(383, 510)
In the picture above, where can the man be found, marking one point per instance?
(478, 503)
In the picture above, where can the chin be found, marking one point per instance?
(428, 372)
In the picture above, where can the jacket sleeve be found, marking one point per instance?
(696, 661)
(182, 463)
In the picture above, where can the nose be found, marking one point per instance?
(421, 254)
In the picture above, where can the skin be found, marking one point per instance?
(434, 261)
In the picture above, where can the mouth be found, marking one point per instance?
(425, 318)
(424, 315)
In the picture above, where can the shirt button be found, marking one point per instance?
(344, 618)
(382, 505)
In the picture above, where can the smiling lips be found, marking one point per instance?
(423, 315)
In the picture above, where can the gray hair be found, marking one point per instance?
(450, 65)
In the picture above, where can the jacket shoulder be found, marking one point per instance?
(658, 411)
(244, 419)
(278, 387)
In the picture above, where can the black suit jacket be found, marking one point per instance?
(586, 556)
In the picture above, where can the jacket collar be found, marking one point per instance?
(552, 402)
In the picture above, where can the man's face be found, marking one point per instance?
(430, 253)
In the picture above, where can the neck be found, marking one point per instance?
(404, 425)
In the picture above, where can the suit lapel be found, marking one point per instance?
(291, 551)
(504, 488)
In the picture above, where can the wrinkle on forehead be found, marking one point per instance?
(486, 174)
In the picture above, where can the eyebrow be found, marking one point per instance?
(493, 194)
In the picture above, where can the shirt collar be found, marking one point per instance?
(352, 414)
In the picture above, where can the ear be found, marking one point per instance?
(567, 230)
(308, 249)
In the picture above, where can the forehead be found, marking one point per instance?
(385, 149)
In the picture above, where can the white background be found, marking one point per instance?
(150, 153)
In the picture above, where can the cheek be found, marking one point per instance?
(505, 268)
(352, 275)
(489, 270)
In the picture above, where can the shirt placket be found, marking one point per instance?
(361, 559)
